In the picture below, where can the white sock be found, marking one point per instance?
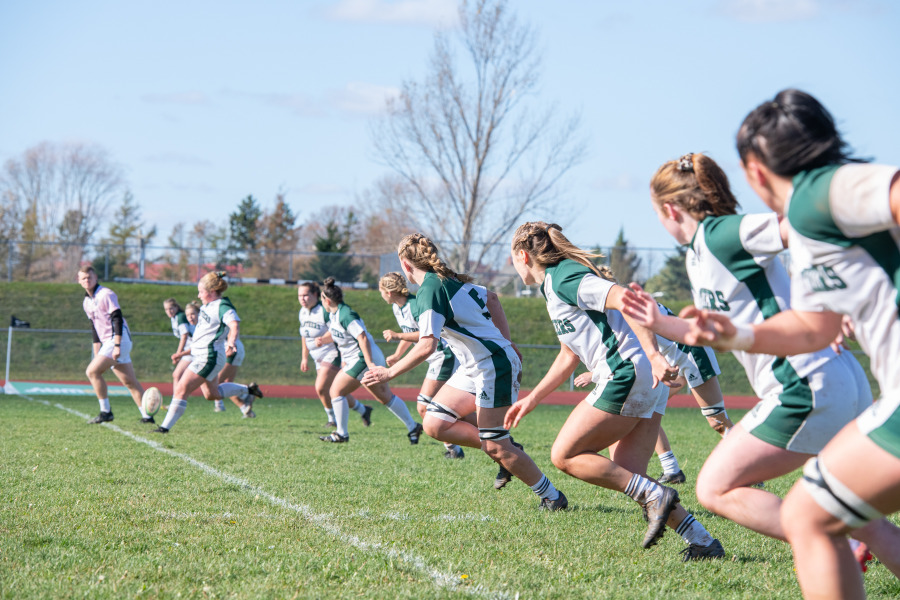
(693, 532)
(246, 408)
(360, 407)
(104, 405)
(398, 407)
(341, 414)
(669, 463)
(450, 447)
(220, 404)
(545, 489)
(229, 389)
(176, 409)
(143, 412)
(642, 489)
(330, 413)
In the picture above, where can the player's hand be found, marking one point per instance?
(304, 365)
(640, 306)
(583, 379)
(116, 353)
(376, 375)
(390, 360)
(230, 349)
(519, 409)
(708, 328)
(319, 342)
(663, 372)
(389, 335)
(847, 335)
(175, 358)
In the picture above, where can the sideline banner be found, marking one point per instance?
(36, 388)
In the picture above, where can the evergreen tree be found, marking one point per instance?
(278, 237)
(126, 228)
(333, 249)
(672, 281)
(243, 229)
(623, 262)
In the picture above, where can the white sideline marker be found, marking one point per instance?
(438, 579)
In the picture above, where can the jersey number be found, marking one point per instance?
(482, 305)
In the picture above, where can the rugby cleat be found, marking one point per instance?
(103, 417)
(456, 452)
(253, 390)
(561, 503)
(219, 409)
(148, 420)
(249, 414)
(330, 425)
(367, 416)
(335, 438)
(658, 511)
(698, 552)
(672, 478)
(160, 429)
(504, 476)
(414, 434)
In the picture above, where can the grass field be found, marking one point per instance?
(225, 507)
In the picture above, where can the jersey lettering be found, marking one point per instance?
(474, 294)
(820, 278)
(713, 300)
(563, 326)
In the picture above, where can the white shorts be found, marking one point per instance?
(236, 359)
(881, 422)
(360, 368)
(493, 381)
(207, 364)
(332, 358)
(107, 347)
(804, 414)
(629, 392)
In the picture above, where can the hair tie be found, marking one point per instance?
(686, 163)
(221, 274)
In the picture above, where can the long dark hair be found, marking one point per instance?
(792, 133)
(332, 291)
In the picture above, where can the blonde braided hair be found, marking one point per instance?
(423, 254)
(394, 283)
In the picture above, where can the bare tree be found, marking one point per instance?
(57, 192)
(474, 154)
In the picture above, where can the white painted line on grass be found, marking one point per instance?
(439, 579)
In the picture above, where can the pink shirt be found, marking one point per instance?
(99, 307)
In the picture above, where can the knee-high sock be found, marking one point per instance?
(341, 414)
(229, 389)
(176, 408)
(398, 407)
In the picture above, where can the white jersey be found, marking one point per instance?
(458, 312)
(845, 256)
(734, 269)
(212, 322)
(576, 302)
(180, 327)
(312, 326)
(406, 319)
(346, 326)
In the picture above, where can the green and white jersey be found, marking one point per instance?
(406, 319)
(734, 269)
(458, 312)
(181, 326)
(576, 301)
(345, 326)
(211, 324)
(845, 256)
(312, 326)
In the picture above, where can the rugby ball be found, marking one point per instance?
(151, 401)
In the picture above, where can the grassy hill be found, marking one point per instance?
(264, 311)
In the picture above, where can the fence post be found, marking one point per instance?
(143, 258)
(291, 266)
(106, 265)
(9, 261)
(200, 261)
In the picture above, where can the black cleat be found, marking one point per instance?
(674, 478)
(335, 438)
(148, 420)
(456, 452)
(367, 416)
(330, 425)
(561, 503)
(698, 552)
(103, 417)
(160, 429)
(253, 390)
(414, 434)
(658, 511)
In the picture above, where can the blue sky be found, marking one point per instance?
(205, 102)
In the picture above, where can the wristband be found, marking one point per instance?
(117, 345)
(743, 338)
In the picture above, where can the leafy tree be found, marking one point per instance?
(332, 258)
(279, 235)
(472, 150)
(243, 226)
(623, 262)
(672, 280)
(126, 232)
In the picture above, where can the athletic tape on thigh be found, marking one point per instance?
(423, 399)
(439, 411)
(715, 409)
(492, 434)
(835, 497)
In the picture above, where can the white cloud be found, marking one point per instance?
(362, 98)
(771, 11)
(189, 98)
(407, 12)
